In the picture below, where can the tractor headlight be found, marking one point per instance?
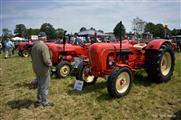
(111, 62)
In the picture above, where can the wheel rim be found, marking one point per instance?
(166, 62)
(122, 82)
(25, 54)
(86, 77)
(64, 70)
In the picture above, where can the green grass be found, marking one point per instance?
(146, 100)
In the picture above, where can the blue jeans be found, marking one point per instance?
(43, 84)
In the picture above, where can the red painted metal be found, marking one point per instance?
(69, 53)
(155, 44)
(101, 53)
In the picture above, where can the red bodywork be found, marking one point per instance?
(100, 54)
(71, 51)
(23, 46)
(156, 45)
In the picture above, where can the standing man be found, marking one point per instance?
(41, 63)
(77, 40)
(8, 48)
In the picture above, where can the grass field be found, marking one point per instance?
(146, 100)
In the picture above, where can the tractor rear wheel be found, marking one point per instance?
(83, 75)
(63, 69)
(25, 53)
(160, 64)
(119, 82)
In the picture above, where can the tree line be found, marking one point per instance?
(47, 28)
(158, 30)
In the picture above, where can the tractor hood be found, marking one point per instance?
(98, 53)
(22, 45)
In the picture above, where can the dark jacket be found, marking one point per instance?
(40, 59)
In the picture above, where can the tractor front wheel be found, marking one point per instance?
(25, 53)
(160, 64)
(83, 75)
(63, 69)
(119, 82)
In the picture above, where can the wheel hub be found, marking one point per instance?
(122, 82)
(86, 76)
(64, 71)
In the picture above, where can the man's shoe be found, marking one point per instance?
(48, 104)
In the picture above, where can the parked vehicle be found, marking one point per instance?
(66, 57)
(24, 48)
(119, 62)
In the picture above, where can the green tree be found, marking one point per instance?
(150, 27)
(49, 30)
(6, 32)
(92, 28)
(83, 29)
(119, 30)
(158, 30)
(31, 31)
(59, 33)
(175, 32)
(101, 31)
(21, 31)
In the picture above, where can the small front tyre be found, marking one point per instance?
(63, 69)
(83, 74)
(25, 53)
(119, 82)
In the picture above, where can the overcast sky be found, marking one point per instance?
(100, 14)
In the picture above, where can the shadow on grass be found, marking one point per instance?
(176, 116)
(25, 85)
(141, 79)
(87, 89)
(104, 97)
(19, 104)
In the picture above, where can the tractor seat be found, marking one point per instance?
(140, 46)
(126, 52)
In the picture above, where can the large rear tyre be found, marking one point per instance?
(63, 69)
(160, 64)
(83, 75)
(119, 82)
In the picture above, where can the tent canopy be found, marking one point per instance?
(91, 33)
(18, 38)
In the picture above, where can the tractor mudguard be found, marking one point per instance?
(124, 65)
(157, 43)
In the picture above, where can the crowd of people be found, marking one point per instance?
(7, 47)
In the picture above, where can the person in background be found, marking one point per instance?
(77, 41)
(1, 46)
(8, 48)
(60, 40)
(41, 63)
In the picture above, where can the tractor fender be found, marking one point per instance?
(123, 65)
(157, 43)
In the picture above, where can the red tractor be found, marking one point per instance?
(24, 48)
(119, 62)
(66, 57)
